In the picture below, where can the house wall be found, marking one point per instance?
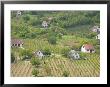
(85, 51)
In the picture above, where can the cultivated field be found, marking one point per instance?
(57, 65)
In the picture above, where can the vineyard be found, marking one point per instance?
(57, 65)
(49, 43)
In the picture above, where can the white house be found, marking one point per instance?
(45, 24)
(96, 29)
(73, 54)
(18, 13)
(87, 48)
(39, 54)
(98, 36)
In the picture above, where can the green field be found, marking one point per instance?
(65, 31)
(57, 64)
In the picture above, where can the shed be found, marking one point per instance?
(73, 54)
(87, 48)
(16, 43)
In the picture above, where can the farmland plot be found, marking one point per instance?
(57, 65)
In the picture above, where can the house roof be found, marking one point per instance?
(88, 46)
(16, 41)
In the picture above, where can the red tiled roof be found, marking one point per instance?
(88, 46)
(16, 41)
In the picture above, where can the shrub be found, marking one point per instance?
(26, 54)
(83, 55)
(12, 57)
(26, 17)
(65, 74)
(46, 51)
(52, 40)
(65, 51)
(35, 62)
(35, 72)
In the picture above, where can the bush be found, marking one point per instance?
(46, 51)
(26, 18)
(12, 58)
(35, 62)
(83, 55)
(52, 40)
(65, 74)
(26, 54)
(65, 51)
(76, 47)
(35, 72)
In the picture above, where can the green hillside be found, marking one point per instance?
(29, 23)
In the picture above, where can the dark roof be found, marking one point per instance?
(16, 41)
(88, 46)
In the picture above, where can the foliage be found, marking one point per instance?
(65, 51)
(61, 22)
(12, 57)
(52, 40)
(35, 72)
(35, 62)
(65, 74)
(26, 18)
(26, 54)
(83, 55)
(46, 51)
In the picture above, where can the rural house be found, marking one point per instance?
(18, 13)
(87, 48)
(16, 43)
(96, 29)
(98, 36)
(45, 24)
(73, 54)
(39, 54)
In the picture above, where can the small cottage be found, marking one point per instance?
(39, 54)
(98, 36)
(16, 43)
(96, 29)
(73, 54)
(87, 48)
(45, 24)
(18, 13)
